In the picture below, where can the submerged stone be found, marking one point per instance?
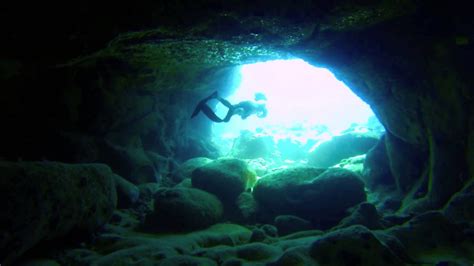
(47, 200)
(322, 198)
(225, 178)
(355, 245)
(183, 209)
(364, 214)
(252, 146)
(186, 169)
(333, 151)
(288, 224)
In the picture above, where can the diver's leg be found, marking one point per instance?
(202, 103)
(225, 102)
(210, 113)
(197, 109)
(229, 115)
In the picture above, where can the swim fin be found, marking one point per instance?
(196, 110)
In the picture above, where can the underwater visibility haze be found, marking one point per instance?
(306, 105)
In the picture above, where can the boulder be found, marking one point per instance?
(225, 178)
(132, 164)
(183, 209)
(364, 214)
(288, 224)
(247, 206)
(322, 198)
(291, 149)
(433, 233)
(331, 152)
(459, 208)
(354, 164)
(377, 167)
(186, 169)
(127, 192)
(47, 200)
(252, 146)
(355, 245)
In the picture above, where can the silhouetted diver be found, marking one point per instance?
(244, 108)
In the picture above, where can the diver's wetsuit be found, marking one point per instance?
(244, 109)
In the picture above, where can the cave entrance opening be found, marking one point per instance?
(306, 105)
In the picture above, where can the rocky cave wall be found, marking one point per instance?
(79, 87)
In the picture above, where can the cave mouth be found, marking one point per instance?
(306, 105)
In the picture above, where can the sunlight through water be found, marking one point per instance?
(298, 96)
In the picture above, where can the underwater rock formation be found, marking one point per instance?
(43, 201)
(183, 209)
(120, 91)
(364, 214)
(433, 233)
(353, 245)
(249, 146)
(127, 193)
(288, 224)
(331, 152)
(376, 166)
(225, 178)
(186, 169)
(310, 193)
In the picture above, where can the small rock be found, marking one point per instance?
(288, 224)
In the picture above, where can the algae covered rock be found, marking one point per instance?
(377, 167)
(288, 224)
(47, 200)
(322, 198)
(186, 169)
(431, 237)
(127, 192)
(252, 146)
(364, 214)
(355, 245)
(225, 178)
(247, 206)
(182, 209)
(459, 208)
(333, 151)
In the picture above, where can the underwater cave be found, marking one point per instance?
(237, 133)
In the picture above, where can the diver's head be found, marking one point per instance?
(259, 96)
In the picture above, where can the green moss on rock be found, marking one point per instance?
(47, 200)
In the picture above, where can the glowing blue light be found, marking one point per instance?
(297, 94)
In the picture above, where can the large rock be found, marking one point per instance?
(459, 208)
(225, 178)
(127, 192)
(186, 169)
(433, 233)
(183, 209)
(251, 146)
(355, 245)
(333, 151)
(46, 200)
(288, 224)
(322, 198)
(365, 214)
(377, 167)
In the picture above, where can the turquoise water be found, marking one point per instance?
(304, 103)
